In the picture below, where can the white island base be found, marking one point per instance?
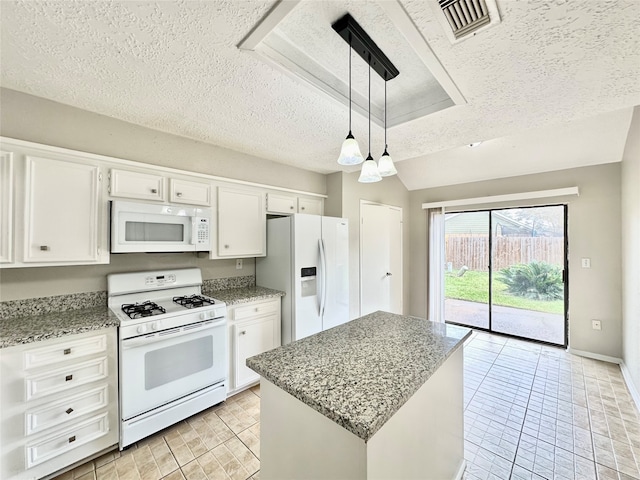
(423, 440)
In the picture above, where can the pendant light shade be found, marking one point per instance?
(386, 167)
(369, 173)
(350, 151)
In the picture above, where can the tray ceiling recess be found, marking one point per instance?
(297, 37)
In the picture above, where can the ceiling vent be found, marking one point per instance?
(466, 17)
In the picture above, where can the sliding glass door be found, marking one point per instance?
(505, 271)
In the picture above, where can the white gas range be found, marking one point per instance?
(172, 349)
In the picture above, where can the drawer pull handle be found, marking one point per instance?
(67, 351)
(154, 190)
(68, 377)
(243, 332)
(72, 439)
(68, 411)
(44, 248)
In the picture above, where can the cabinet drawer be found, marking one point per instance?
(192, 193)
(65, 378)
(136, 185)
(65, 410)
(72, 437)
(255, 310)
(281, 203)
(64, 351)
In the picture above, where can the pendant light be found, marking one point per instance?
(369, 173)
(386, 168)
(350, 151)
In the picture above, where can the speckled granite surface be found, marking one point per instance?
(58, 303)
(216, 284)
(236, 296)
(34, 328)
(360, 373)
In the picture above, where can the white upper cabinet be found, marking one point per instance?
(283, 204)
(140, 185)
(6, 207)
(62, 211)
(242, 223)
(189, 192)
(312, 206)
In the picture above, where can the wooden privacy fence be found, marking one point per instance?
(473, 251)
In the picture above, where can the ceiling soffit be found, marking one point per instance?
(297, 38)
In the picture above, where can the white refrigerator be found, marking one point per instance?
(308, 259)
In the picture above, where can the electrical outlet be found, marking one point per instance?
(239, 264)
(596, 325)
(586, 263)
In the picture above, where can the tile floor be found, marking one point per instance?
(531, 412)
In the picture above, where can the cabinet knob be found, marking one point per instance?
(154, 190)
(301, 208)
(44, 248)
(243, 332)
(291, 207)
(68, 377)
(226, 246)
(68, 411)
(72, 439)
(66, 351)
(178, 194)
(389, 274)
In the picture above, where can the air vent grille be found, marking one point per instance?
(465, 16)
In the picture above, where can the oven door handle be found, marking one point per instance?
(171, 333)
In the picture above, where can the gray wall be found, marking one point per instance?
(390, 191)
(631, 252)
(38, 120)
(594, 232)
(34, 119)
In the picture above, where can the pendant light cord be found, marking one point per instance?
(369, 105)
(349, 83)
(385, 111)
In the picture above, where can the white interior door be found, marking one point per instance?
(380, 258)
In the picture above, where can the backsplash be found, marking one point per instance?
(76, 301)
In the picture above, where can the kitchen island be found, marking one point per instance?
(378, 397)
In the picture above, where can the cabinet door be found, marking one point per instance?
(61, 211)
(192, 193)
(144, 186)
(6, 207)
(242, 223)
(281, 203)
(252, 338)
(311, 206)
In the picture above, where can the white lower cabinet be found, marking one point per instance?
(253, 328)
(59, 403)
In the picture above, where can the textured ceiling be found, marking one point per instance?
(175, 66)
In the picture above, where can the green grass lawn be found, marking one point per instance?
(474, 287)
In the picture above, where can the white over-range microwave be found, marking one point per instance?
(146, 227)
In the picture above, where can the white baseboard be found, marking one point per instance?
(626, 374)
(595, 356)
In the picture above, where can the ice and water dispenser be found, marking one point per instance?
(308, 281)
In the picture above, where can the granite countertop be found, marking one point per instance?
(33, 328)
(235, 296)
(359, 374)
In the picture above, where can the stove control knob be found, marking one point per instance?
(141, 329)
(203, 316)
(155, 325)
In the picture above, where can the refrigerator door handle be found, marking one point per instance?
(323, 274)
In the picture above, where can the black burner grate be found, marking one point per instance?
(193, 301)
(141, 310)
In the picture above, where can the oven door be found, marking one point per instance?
(161, 367)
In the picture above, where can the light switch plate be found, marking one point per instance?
(596, 325)
(239, 264)
(586, 263)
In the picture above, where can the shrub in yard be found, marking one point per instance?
(536, 280)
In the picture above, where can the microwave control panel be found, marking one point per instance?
(202, 231)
